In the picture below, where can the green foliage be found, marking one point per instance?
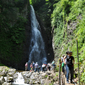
(30, 1)
(2, 65)
(51, 84)
(12, 29)
(56, 69)
(83, 78)
(65, 13)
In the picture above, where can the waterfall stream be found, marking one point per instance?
(37, 46)
(19, 80)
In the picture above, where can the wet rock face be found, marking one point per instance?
(47, 37)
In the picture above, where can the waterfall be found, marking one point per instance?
(37, 46)
(19, 80)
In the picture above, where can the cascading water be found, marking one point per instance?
(37, 47)
(19, 80)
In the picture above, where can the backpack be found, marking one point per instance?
(69, 60)
(62, 64)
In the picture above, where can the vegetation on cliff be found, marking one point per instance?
(13, 17)
(68, 20)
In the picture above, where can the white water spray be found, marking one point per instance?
(19, 80)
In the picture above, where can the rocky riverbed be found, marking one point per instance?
(9, 76)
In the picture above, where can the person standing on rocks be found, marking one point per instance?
(43, 67)
(49, 66)
(69, 66)
(36, 66)
(53, 64)
(33, 64)
(39, 68)
(26, 65)
(31, 67)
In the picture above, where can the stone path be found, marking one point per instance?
(64, 81)
(67, 83)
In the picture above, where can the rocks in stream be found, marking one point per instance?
(40, 78)
(5, 83)
(2, 80)
(8, 76)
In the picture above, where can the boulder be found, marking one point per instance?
(43, 75)
(9, 79)
(42, 81)
(15, 76)
(2, 80)
(5, 78)
(27, 81)
(2, 73)
(11, 71)
(47, 82)
(48, 72)
(5, 83)
(29, 74)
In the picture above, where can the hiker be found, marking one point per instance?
(69, 66)
(62, 60)
(39, 68)
(33, 64)
(48, 66)
(53, 64)
(43, 67)
(36, 66)
(26, 65)
(31, 67)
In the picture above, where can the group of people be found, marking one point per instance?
(44, 67)
(68, 66)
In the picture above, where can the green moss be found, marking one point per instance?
(46, 76)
